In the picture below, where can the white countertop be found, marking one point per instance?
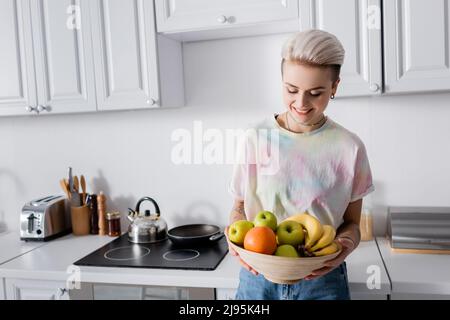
(416, 273)
(52, 262)
(361, 264)
(12, 247)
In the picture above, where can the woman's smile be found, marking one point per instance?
(302, 113)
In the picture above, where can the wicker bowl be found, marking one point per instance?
(282, 270)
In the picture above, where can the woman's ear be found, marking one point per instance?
(335, 86)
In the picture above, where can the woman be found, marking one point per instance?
(322, 168)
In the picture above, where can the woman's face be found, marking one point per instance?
(307, 91)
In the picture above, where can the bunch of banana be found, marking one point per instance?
(319, 240)
(312, 225)
(329, 249)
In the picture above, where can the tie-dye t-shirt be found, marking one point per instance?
(320, 172)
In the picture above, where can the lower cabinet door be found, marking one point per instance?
(367, 296)
(2, 289)
(225, 293)
(418, 296)
(132, 292)
(229, 294)
(24, 289)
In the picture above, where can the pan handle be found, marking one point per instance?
(216, 236)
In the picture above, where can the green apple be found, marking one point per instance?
(266, 219)
(290, 232)
(238, 230)
(286, 250)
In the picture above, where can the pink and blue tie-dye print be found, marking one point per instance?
(320, 172)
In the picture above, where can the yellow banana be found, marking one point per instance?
(331, 248)
(328, 236)
(312, 225)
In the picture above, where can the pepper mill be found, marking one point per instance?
(101, 203)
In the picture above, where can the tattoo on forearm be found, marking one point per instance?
(240, 209)
(238, 213)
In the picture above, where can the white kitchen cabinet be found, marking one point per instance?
(17, 76)
(418, 296)
(63, 56)
(25, 289)
(132, 292)
(67, 56)
(417, 53)
(230, 294)
(131, 62)
(2, 289)
(368, 296)
(213, 19)
(357, 24)
(225, 293)
(46, 65)
(122, 292)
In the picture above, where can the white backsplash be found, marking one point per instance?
(229, 83)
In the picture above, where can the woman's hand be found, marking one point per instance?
(347, 247)
(234, 253)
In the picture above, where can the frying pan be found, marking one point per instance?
(195, 234)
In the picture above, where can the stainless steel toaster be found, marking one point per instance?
(45, 219)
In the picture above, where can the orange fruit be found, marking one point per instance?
(261, 240)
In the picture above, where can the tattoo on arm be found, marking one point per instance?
(238, 212)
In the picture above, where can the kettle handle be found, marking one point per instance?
(138, 205)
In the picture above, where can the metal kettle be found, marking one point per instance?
(147, 227)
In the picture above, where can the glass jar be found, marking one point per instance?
(366, 225)
(113, 221)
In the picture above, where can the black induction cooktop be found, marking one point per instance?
(164, 255)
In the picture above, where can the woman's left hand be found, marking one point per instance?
(347, 247)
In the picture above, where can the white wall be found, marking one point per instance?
(228, 84)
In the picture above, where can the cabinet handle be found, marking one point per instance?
(30, 109)
(222, 19)
(41, 108)
(374, 87)
(151, 102)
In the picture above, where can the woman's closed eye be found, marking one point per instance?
(315, 94)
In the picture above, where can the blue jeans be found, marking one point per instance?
(331, 286)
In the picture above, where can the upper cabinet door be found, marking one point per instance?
(357, 24)
(63, 51)
(17, 77)
(417, 37)
(182, 15)
(125, 54)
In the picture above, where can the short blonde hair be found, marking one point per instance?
(314, 48)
